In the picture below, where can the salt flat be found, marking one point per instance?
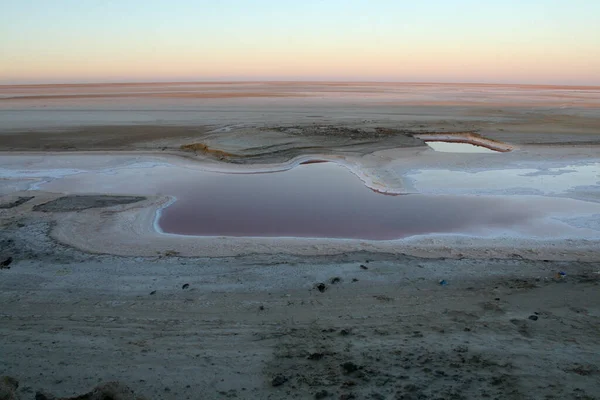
(95, 291)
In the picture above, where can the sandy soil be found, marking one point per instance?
(86, 298)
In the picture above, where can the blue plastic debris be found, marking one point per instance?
(443, 282)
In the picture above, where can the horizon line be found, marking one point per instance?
(216, 82)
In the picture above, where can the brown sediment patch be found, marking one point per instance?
(78, 203)
(313, 162)
(107, 137)
(202, 148)
(16, 203)
(467, 138)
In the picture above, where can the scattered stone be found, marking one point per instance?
(363, 266)
(185, 286)
(383, 298)
(335, 280)
(278, 380)
(349, 367)
(153, 292)
(315, 356)
(321, 287)
(354, 280)
(584, 370)
(321, 394)
(6, 262)
(461, 349)
(345, 332)
(533, 317)
(261, 308)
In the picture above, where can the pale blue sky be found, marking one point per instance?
(534, 41)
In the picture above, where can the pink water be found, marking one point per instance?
(323, 201)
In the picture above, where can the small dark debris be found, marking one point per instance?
(345, 332)
(354, 280)
(185, 286)
(278, 380)
(321, 287)
(349, 367)
(363, 266)
(348, 396)
(321, 394)
(261, 308)
(533, 317)
(5, 264)
(315, 356)
(153, 292)
(335, 280)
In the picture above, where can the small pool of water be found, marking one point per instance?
(324, 201)
(458, 147)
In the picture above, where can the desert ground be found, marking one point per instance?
(97, 302)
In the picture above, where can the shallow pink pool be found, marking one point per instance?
(323, 201)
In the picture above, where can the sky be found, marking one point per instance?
(493, 41)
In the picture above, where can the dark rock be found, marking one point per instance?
(321, 287)
(278, 380)
(185, 286)
(363, 266)
(6, 262)
(261, 308)
(349, 367)
(44, 396)
(347, 396)
(345, 332)
(335, 280)
(153, 292)
(8, 388)
(533, 317)
(354, 280)
(321, 394)
(105, 391)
